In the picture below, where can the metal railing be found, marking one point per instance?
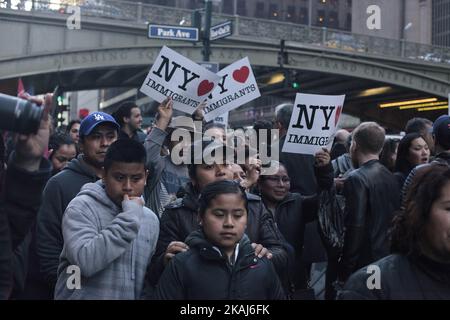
(244, 27)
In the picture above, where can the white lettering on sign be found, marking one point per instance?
(165, 33)
(219, 32)
(181, 34)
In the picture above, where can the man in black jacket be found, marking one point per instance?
(97, 132)
(129, 117)
(181, 217)
(371, 196)
(25, 178)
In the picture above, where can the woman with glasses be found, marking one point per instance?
(293, 210)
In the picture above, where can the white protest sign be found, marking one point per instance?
(313, 121)
(236, 87)
(223, 119)
(173, 75)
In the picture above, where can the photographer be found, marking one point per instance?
(25, 177)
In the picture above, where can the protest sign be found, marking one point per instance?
(236, 87)
(313, 121)
(173, 75)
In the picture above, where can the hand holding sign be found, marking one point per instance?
(198, 114)
(322, 158)
(173, 75)
(165, 111)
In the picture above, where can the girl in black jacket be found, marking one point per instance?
(220, 262)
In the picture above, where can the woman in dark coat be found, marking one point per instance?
(412, 151)
(419, 267)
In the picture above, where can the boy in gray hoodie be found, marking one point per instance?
(109, 236)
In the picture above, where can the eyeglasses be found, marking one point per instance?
(275, 179)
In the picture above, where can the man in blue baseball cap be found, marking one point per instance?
(97, 132)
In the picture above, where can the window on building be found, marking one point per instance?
(273, 11)
(303, 16)
(333, 20)
(348, 22)
(260, 10)
(241, 8)
(320, 17)
(290, 14)
(227, 6)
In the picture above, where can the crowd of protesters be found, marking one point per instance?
(102, 210)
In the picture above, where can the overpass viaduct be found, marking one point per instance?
(39, 47)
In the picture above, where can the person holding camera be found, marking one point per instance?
(97, 132)
(25, 177)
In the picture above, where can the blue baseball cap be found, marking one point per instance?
(93, 120)
(441, 131)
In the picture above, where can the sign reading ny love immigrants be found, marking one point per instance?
(173, 75)
(236, 87)
(314, 120)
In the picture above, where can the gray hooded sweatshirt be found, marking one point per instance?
(111, 246)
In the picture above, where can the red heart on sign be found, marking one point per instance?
(241, 74)
(338, 114)
(204, 87)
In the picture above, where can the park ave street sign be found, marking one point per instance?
(220, 31)
(172, 32)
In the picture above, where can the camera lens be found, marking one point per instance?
(19, 115)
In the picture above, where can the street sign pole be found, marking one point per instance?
(206, 41)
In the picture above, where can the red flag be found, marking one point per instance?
(20, 88)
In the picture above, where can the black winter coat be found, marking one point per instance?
(202, 273)
(401, 278)
(181, 218)
(291, 216)
(371, 198)
(58, 192)
(300, 168)
(19, 204)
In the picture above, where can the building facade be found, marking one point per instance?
(441, 22)
(409, 20)
(334, 14)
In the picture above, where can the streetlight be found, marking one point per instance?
(402, 40)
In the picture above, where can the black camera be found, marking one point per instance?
(19, 115)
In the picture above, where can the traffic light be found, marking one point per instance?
(196, 19)
(282, 55)
(291, 80)
(60, 100)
